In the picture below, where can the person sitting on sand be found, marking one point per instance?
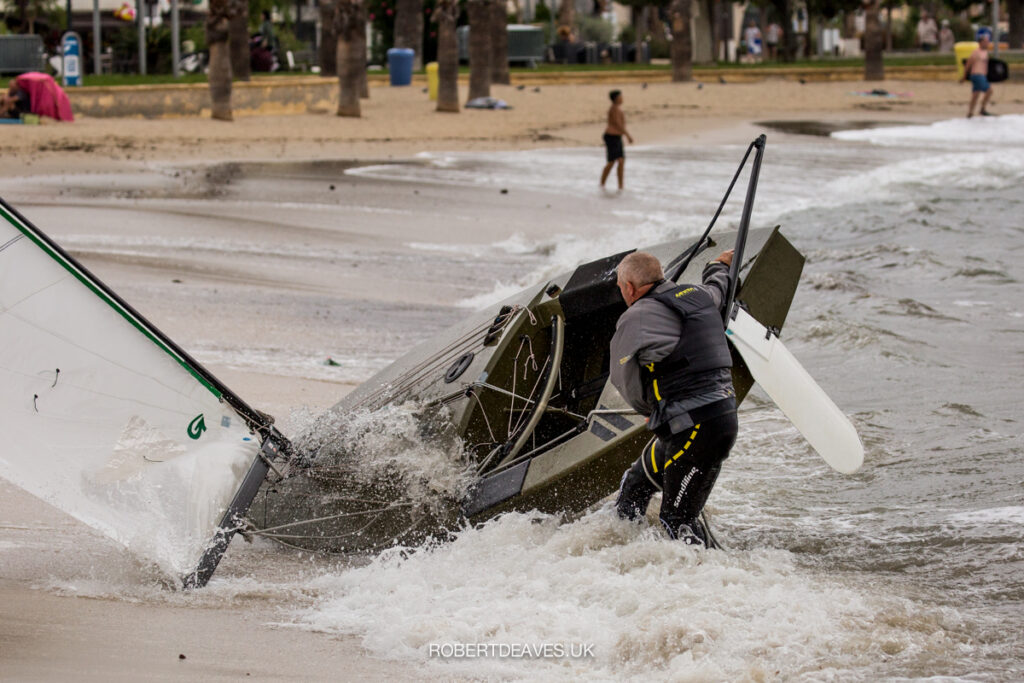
(613, 133)
(976, 70)
(14, 102)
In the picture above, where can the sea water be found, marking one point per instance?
(909, 314)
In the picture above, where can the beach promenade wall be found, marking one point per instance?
(271, 95)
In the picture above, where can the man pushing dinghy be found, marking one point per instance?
(670, 360)
(525, 386)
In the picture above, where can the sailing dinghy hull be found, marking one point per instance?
(523, 387)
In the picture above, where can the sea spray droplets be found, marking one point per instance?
(389, 445)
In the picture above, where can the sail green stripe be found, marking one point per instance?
(14, 221)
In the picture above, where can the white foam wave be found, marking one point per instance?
(974, 134)
(893, 181)
(1013, 515)
(648, 607)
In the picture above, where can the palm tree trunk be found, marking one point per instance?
(364, 85)
(888, 25)
(239, 41)
(682, 41)
(350, 25)
(1015, 10)
(409, 28)
(874, 40)
(480, 13)
(218, 23)
(641, 31)
(446, 13)
(499, 44)
(328, 39)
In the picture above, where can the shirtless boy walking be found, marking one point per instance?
(613, 138)
(976, 70)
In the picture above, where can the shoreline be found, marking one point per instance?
(398, 123)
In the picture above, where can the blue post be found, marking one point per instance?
(71, 49)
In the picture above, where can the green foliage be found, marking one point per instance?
(125, 45)
(49, 13)
(627, 34)
(541, 12)
(660, 48)
(829, 9)
(197, 34)
(594, 29)
(380, 14)
(256, 8)
(640, 4)
(962, 29)
(286, 40)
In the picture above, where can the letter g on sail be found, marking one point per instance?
(196, 427)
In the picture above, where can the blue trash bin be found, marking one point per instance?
(400, 65)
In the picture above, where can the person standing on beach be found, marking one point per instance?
(613, 133)
(946, 37)
(267, 39)
(752, 37)
(670, 361)
(976, 70)
(927, 32)
(772, 38)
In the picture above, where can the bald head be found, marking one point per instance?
(640, 268)
(636, 274)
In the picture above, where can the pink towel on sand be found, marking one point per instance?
(47, 98)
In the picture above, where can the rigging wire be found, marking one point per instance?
(678, 270)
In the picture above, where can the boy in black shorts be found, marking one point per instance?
(613, 133)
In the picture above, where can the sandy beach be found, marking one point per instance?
(73, 604)
(399, 122)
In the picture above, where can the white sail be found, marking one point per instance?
(104, 418)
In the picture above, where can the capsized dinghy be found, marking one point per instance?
(523, 386)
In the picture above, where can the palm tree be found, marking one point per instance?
(218, 22)
(364, 85)
(874, 41)
(480, 14)
(1015, 11)
(682, 43)
(239, 40)
(409, 28)
(499, 44)
(446, 13)
(350, 25)
(328, 39)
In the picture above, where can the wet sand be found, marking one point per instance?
(104, 631)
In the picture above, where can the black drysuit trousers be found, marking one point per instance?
(683, 467)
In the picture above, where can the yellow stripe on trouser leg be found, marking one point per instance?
(693, 435)
(654, 463)
(656, 394)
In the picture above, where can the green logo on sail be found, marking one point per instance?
(196, 427)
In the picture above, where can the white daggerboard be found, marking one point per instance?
(796, 393)
(106, 419)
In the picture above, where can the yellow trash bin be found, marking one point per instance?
(963, 51)
(432, 80)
